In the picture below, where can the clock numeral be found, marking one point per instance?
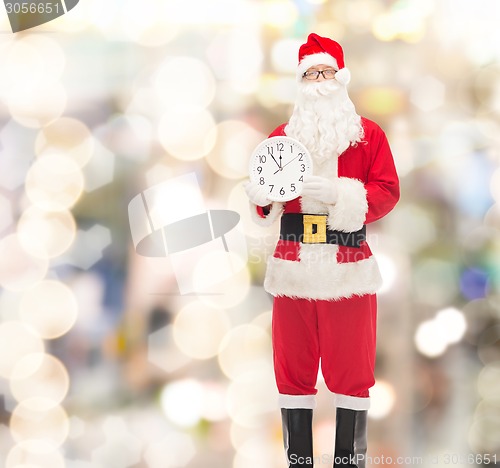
(301, 156)
(259, 169)
(291, 149)
(272, 186)
(262, 159)
(282, 191)
(292, 188)
(302, 168)
(280, 146)
(270, 150)
(301, 179)
(262, 181)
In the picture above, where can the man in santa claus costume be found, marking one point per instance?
(325, 307)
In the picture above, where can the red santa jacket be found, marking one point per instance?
(368, 188)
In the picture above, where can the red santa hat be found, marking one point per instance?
(322, 50)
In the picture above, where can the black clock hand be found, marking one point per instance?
(291, 160)
(278, 164)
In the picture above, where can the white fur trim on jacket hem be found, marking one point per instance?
(321, 58)
(274, 214)
(353, 403)
(297, 401)
(321, 280)
(349, 212)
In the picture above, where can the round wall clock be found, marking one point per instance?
(280, 163)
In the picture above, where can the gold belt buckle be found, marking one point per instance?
(314, 229)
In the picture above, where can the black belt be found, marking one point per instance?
(312, 229)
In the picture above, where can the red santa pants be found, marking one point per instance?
(341, 333)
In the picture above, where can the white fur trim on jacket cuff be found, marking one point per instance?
(349, 212)
(297, 401)
(273, 215)
(321, 58)
(353, 403)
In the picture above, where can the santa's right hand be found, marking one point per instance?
(257, 194)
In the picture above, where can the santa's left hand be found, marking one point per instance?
(320, 188)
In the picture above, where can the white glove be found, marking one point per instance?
(320, 188)
(257, 194)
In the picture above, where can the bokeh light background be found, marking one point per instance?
(102, 363)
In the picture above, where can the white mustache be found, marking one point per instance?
(320, 88)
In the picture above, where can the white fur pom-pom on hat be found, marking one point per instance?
(343, 76)
(322, 50)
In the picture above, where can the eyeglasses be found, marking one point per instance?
(328, 74)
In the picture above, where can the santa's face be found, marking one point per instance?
(324, 118)
(319, 80)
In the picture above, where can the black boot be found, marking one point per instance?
(297, 436)
(350, 438)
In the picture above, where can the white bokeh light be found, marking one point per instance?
(18, 341)
(284, 55)
(39, 375)
(383, 397)
(433, 337)
(68, 136)
(46, 234)
(182, 402)
(453, 324)
(34, 454)
(430, 340)
(49, 307)
(235, 142)
(198, 330)
(187, 133)
(245, 348)
(184, 81)
(19, 269)
(54, 182)
(40, 419)
(176, 447)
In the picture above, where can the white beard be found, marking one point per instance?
(324, 120)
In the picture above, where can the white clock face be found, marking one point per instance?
(280, 164)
